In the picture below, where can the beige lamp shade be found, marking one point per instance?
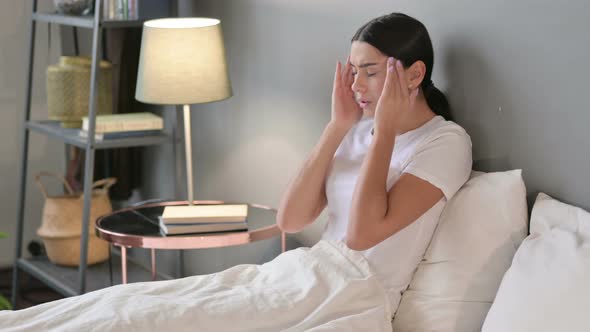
(182, 61)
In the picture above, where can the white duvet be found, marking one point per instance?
(324, 288)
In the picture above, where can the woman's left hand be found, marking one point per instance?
(396, 100)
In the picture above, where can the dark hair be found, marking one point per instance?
(406, 39)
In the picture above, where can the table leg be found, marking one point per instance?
(283, 242)
(153, 264)
(180, 264)
(124, 263)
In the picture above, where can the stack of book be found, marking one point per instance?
(204, 219)
(120, 9)
(123, 125)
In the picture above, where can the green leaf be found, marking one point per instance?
(4, 303)
(3, 235)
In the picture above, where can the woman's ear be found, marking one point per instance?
(415, 74)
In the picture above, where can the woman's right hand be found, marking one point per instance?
(345, 110)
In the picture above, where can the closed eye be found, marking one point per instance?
(368, 74)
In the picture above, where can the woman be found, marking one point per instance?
(389, 159)
(385, 166)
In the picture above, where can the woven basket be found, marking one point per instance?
(61, 224)
(68, 90)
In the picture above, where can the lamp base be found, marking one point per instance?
(205, 213)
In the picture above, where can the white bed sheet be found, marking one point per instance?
(324, 288)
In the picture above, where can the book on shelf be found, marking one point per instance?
(121, 134)
(186, 228)
(106, 123)
(201, 213)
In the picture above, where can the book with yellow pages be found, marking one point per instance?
(193, 214)
(107, 123)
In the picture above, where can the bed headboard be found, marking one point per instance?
(516, 76)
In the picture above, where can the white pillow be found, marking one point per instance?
(478, 233)
(547, 288)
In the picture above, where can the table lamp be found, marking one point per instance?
(182, 62)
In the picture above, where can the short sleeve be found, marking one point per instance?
(445, 161)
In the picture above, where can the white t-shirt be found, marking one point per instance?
(439, 152)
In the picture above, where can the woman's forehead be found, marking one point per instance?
(362, 52)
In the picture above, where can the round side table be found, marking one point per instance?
(138, 227)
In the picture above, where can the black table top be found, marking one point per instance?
(143, 220)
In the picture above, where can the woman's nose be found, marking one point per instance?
(358, 85)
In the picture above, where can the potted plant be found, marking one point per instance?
(4, 303)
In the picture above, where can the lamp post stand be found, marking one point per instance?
(188, 152)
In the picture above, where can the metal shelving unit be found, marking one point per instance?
(72, 281)
(85, 21)
(72, 136)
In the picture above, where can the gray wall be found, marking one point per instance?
(514, 72)
(43, 154)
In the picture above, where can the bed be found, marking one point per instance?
(480, 268)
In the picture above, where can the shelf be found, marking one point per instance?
(122, 23)
(65, 279)
(84, 21)
(72, 136)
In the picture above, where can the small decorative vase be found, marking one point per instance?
(68, 90)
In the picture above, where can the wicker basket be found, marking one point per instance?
(68, 90)
(61, 223)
